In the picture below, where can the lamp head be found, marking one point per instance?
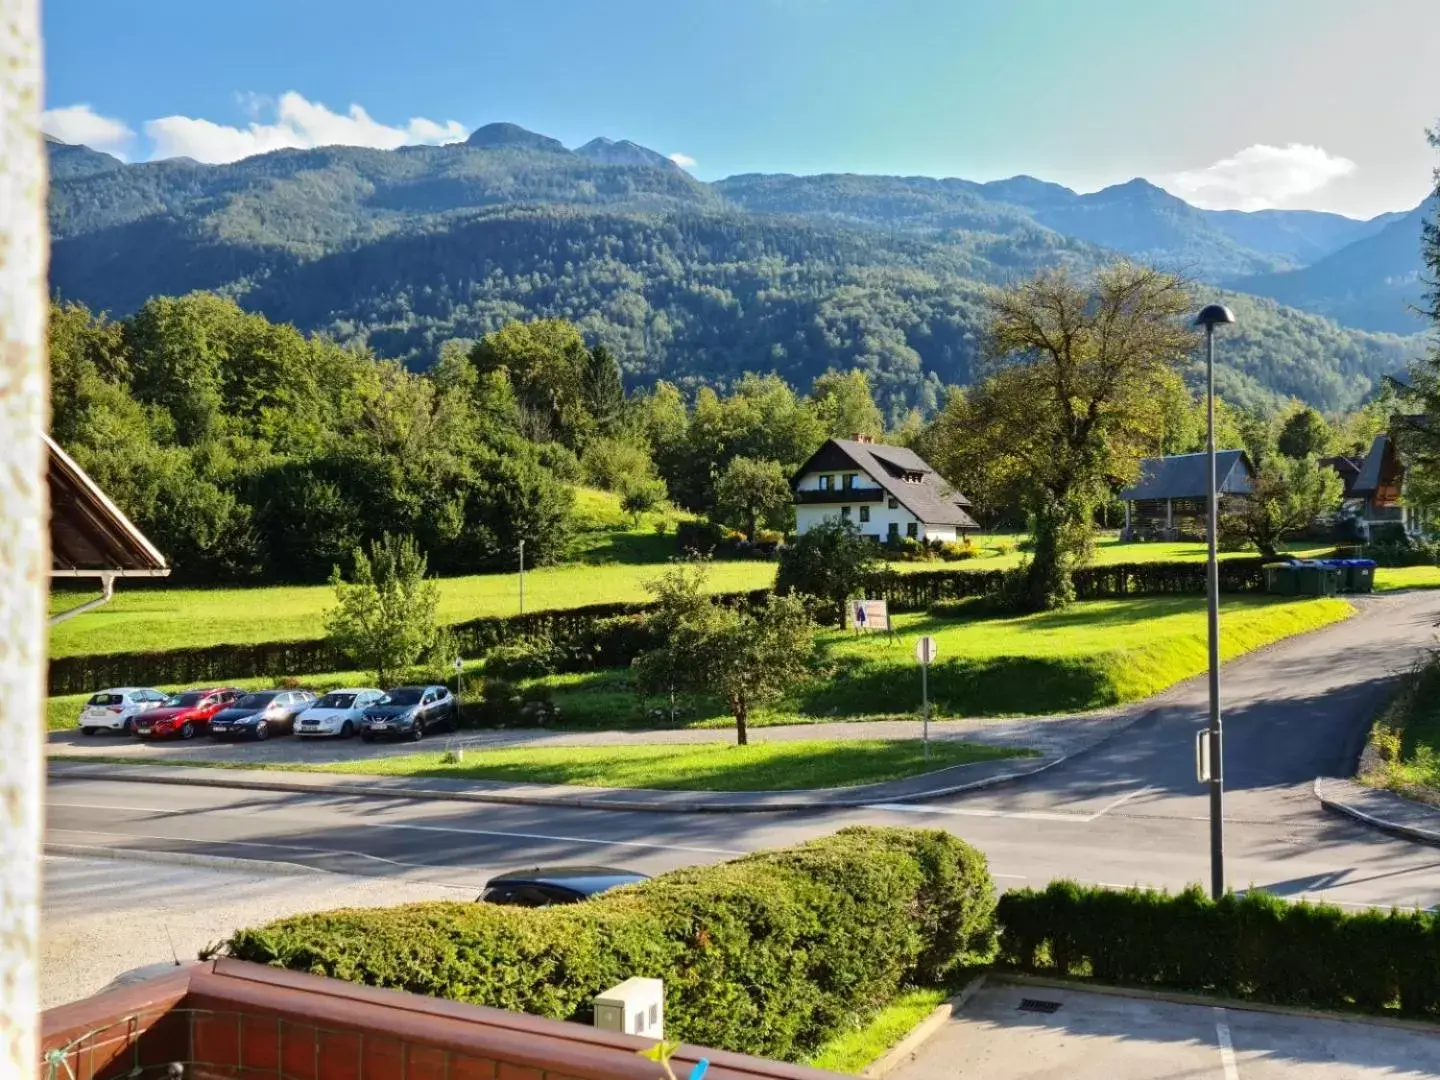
(1213, 315)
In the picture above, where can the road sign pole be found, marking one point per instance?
(925, 707)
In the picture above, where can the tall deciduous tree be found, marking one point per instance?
(1418, 432)
(1305, 433)
(1073, 399)
(845, 405)
(750, 493)
(1288, 494)
(547, 363)
(384, 617)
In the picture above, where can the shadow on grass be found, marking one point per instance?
(634, 547)
(999, 686)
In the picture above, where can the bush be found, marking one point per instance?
(698, 536)
(954, 609)
(528, 658)
(1253, 947)
(953, 551)
(770, 954)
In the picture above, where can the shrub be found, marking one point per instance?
(698, 536)
(1254, 946)
(953, 551)
(953, 609)
(528, 658)
(770, 954)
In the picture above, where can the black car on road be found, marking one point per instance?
(546, 885)
(260, 714)
(410, 712)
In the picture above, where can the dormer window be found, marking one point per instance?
(914, 477)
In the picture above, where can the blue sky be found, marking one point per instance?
(1244, 103)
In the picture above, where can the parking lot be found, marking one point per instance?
(1009, 1031)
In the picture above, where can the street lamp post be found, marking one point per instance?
(1212, 316)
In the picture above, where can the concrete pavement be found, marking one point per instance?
(1000, 1034)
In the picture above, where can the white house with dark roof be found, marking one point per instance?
(888, 492)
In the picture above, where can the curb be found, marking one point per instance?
(1395, 828)
(1177, 997)
(905, 1049)
(198, 778)
(181, 858)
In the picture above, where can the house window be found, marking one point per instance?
(845, 512)
(864, 513)
(894, 503)
(849, 481)
(911, 529)
(827, 482)
(894, 530)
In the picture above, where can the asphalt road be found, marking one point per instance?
(1129, 812)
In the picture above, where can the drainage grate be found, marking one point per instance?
(1037, 1006)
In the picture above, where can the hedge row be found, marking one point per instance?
(604, 635)
(1252, 947)
(770, 954)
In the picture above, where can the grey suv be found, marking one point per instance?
(410, 712)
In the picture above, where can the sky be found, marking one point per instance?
(1230, 104)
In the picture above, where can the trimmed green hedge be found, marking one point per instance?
(1254, 946)
(770, 954)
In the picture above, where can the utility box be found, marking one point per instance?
(635, 1007)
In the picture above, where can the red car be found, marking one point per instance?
(184, 714)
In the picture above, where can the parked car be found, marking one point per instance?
(260, 714)
(544, 886)
(338, 713)
(115, 709)
(410, 712)
(185, 714)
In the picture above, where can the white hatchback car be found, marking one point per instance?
(115, 709)
(337, 713)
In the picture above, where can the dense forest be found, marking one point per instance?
(401, 251)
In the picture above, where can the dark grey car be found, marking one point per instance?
(410, 712)
(546, 885)
(260, 714)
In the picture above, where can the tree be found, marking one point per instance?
(845, 405)
(641, 494)
(831, 562)
(603, 389)
(749, 493)
(384, 617)
(1417, 435)
(745, 658)
(1288, 494)
(1075, 397)
(1304, 433)
(547, 364)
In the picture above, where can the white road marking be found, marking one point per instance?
(1074, 816)
(1227, 1049)
(976, 811)
(395, 826)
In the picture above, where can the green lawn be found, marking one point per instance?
(792, 765)
(853, 1051)
(1091, 655)
(1392, 578)
(141, 618)
(1408, 737)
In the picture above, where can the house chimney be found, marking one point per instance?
(861, 437)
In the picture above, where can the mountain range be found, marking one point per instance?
(698, 282)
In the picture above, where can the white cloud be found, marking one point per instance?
(1259, 177)
(82, 124)
(685, 161)
(297, 123)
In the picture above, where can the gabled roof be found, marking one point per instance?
(88, 533)
(1182, 476)
(932, 500)
(1373, 470)
(1347, 468)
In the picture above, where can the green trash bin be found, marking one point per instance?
(1360, 575)
(1281, 579)
(1317, 579)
